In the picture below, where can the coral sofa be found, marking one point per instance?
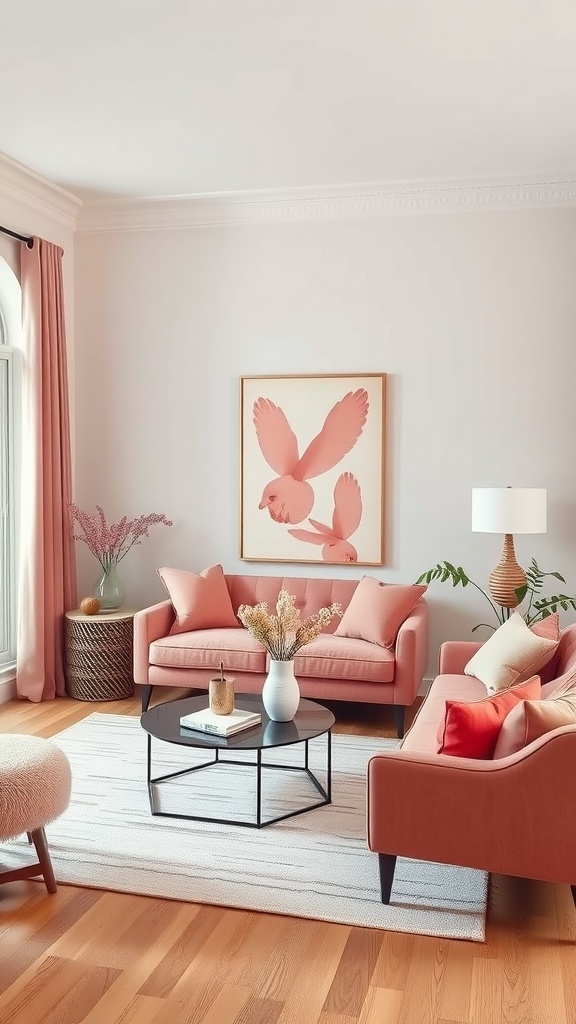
(514, 815)
(330, 668)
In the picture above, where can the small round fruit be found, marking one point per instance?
(90, 606)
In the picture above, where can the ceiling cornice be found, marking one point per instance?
(24, 186)
(325, 203)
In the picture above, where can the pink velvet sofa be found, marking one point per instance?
(330, 668)
(515, 815)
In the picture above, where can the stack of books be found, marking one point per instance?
(221, 725)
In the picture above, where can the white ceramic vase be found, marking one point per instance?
(281, 693)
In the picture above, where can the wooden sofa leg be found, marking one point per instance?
(39, 840)
(399, 713)
(386, 866)
(573, 887)
(146, 695)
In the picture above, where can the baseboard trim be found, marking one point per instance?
(7, 690)
(425, 686)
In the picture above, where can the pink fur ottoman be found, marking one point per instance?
(34, 790)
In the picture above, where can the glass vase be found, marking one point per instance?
(281, 693)
(108, 589)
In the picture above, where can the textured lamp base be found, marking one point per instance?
(507, 577)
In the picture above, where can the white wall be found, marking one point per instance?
(472, 315)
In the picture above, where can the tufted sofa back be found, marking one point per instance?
(310, 594)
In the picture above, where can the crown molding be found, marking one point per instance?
(277, 205)
(325, 203)
(25, 186)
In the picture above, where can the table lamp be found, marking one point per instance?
(508, 510)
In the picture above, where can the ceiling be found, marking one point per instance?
(177, 97)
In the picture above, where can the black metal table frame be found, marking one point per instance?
(326, 793)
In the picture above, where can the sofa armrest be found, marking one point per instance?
(411, 654)
(513, 816)
(149, 624)
(455, 655)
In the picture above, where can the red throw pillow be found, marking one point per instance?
(471, 728)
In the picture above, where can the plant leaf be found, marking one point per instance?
(463, 577)
(539, 607)
(521, 592)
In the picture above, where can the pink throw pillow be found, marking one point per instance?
(531, 719)
(377, 610)
(200, 601)
(548, 627)
(561, 684)
(471, 728)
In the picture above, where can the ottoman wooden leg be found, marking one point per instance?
(39, 840)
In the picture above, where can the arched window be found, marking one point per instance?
(10, 331)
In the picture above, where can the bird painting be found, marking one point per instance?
(345, 521)
(289, 497)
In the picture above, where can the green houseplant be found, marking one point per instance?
(538, 606)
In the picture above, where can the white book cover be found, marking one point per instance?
(223, 725)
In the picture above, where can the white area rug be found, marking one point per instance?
(316, 865)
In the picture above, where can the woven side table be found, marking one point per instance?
(99, 653)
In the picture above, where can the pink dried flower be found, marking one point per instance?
(110, 543)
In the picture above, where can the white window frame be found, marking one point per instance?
(10, 359)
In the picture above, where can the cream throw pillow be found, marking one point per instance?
(513, 653)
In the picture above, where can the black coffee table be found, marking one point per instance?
(311, 720)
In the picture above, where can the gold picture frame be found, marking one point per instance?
(312, 468)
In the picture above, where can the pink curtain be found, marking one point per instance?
(47, 563)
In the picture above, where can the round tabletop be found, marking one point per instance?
(104, 616)
(310, 720)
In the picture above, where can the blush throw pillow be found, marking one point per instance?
(377, 610)
(513, 653)
(201, 601)
(548, 627)
(471, 728)
(531, 719)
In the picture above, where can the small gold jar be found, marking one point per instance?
(221, 696)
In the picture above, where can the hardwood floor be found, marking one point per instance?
(97, 957)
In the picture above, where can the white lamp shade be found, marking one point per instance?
(509, 510)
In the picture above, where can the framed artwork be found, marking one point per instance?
(312, 468)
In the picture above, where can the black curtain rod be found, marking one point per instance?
(21, 238)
